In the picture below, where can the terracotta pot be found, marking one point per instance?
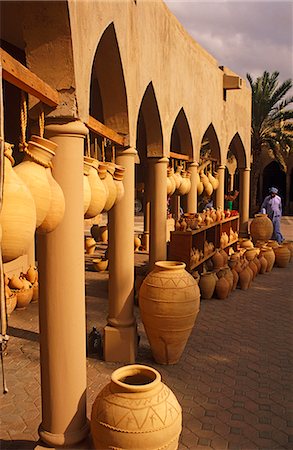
(222, 288)
(261, 227)
(225, 257)
(137, 243)
(136, 411)
(118, 181)
(15, 282)
(251, 253)
(18, 213)
(11, 302)
(253, 267)
(31, 274)
(235, 278)
(283, 256)
(32, 170)
(245, 243)
(104, 234)
(35, 296)
(24, 297)
(269, 254)
(263, 264)
(272, 243)
(56, 209)
(217, 260)
(199, 184)
(178, 177)
(90, 245)
(257, 263)
(87, 195)
(100, 265)
(207, 284)
(185, 185)
(171, 185)
(98, 192)
(169, 300)
(214, 181)
(260, 243)
(289, 245)
(112, 190)
(244, 279)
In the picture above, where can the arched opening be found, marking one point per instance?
(274, 176)
(236, 159)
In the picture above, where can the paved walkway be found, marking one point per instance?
(233, 381)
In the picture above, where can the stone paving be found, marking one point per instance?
(234, 380)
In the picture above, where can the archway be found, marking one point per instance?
(235, 163)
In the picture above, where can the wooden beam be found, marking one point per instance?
(18, 75)
(179, 156)
(104, 131)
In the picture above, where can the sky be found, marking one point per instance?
(247, 36)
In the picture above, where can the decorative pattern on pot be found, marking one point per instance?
(283, 256)
(118, 177)
(32, 170)
(261, 227)
(136, 411)
(18, 213)
(98, 192)
(207, 284)
(169, 300)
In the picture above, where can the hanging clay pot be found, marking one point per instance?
(108, 180)
(171, 184)
(18, 213)
(169, 300)
(32, 170)
(178, 177)
(206, 183)
(207, 284)
(136, 411)
(261, 227)
(283, 255)
(199, 185)
(98, 192)
(118, 177)
(213, 180)
(185, 186)
(86, 187)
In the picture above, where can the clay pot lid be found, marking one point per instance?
(136, 378)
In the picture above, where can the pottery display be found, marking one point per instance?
(136, 411)
(169, 301)
(207, 284)
(18, 213)
(261, 227)
(98, 192)
(283, 256)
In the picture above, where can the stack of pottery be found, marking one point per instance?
(169, 300)
(207, 284)
(18, 213)
(136, 411)
(36, 171)
(261, 227)
(23, 290)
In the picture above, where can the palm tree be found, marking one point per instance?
(272, 126)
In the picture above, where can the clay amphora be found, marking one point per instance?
(86, 188)
(137, 243)
(31, 274)
(171, 185)
(289, 245)
(104, 234)
(257, 263)
(225, 257)
(283, 256)
(200, 187)
(18, 213)
(207, 284)
(169, 300)
(98, 192)
(217, 260)
(57, 206)
(178, 178)
(235, 278)
(245, 243)
(118, 180)
(90, 245)
(263, 264)
(214, 181)
(253, 267)
(222, 288)
(106, 172)
(136, 411)
(269, 254)
(261, 227)
(15, 282)
(244, 279)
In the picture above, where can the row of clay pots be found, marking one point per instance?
(178, 183)
(103, 186)
(283, 252)
(100, 234)
(219, 283)
(22, 290)
(193, 221)
(207, 183)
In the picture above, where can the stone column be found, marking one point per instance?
(62, 299)
(220, 190)
(192, 194)
(244, 199)
(158, 195)
(147, 213)
(120, 332)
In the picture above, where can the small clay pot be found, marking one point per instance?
(100, 265)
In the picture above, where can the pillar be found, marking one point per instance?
(147, 214)
(192, 194)
(62, 299)
(120, 338)
(158, 194)
(221, 188)
(244, 200)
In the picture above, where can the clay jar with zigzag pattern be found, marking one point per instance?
(169, 300)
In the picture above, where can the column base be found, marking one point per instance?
(64, 439)
(120, 344)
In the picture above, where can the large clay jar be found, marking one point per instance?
(118, 181)
(245, 243)
(235, 278)
(199, 185)
(171, 185)
(109, 181)
(269, 254)
(32, 170)
(289, 245)
(253, 267)
(222, 287)
(217, 260)
(263, 264)
(169, 300)
(283, 255)
(136, 411)
(98, 192)
(207, 185)
(261, 227)
(185, 185)
(86, 187)
(244, 279)
(18, 213)
(207, 284)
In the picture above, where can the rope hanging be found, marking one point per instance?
(23, 122)
(42, 123)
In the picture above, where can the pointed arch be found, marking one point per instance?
(149, 126)
(181, 140)
(237, 148)
(108, 98)
(210, 141)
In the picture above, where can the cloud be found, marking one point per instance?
(247, 36)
